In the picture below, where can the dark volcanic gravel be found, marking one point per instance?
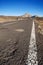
(39, 42)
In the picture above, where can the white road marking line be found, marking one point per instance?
(19, 30)
(32, 54)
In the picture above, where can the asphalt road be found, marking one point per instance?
(14, 42)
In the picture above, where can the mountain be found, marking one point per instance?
(26, 15)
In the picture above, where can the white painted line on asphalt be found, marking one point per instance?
(32, 54)
(19, 30)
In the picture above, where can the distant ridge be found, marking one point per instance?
(26, 15)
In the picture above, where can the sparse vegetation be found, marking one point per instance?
(7, 18)
(13, 18)
(39, 21)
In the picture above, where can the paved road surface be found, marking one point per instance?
(14, 42)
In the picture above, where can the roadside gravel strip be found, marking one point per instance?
(32, 54)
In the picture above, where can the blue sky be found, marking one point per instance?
(20, 7)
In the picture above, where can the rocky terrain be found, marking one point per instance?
(39, 21)
(13, 18)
